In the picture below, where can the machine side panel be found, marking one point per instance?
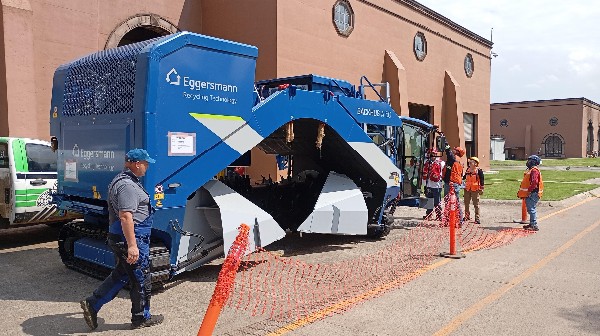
(370, 111)
(92, 154)
(190, 90)
(340, 209)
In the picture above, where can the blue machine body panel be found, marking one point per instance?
(309, 82)
(190, 101)
(99, 117)
(94, 251)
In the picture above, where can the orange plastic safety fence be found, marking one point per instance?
(472, 236)
(230, 267)
(286, 288)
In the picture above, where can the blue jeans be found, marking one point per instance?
(457, 188)
(137, 275)
(437, 197)
(531, 203)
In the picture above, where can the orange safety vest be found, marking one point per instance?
(456, 173)
(524, 188)
(472, 183)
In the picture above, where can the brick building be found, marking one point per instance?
(437, 70)
(557, 128)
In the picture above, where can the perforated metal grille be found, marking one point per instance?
(103, 83)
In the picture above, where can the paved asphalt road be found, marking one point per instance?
(544, 284)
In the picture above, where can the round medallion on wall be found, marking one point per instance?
(553, 121)
(420, 46)
(343, 17)
(503, 123)
(469, 65)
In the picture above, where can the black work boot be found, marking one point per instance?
(153, 320)
(90, 316)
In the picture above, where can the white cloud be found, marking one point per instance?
(584, 62)
(547, 49)
(515, 68)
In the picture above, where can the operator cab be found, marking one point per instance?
(406, 146)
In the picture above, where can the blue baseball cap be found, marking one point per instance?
(138, 154)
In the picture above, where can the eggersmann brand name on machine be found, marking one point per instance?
(204, 85)
(88, 154)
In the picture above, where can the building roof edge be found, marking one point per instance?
(445, 21)
(581, 99)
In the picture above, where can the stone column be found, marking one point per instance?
(395, 74)
(452, 112)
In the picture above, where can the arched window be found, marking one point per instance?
(139, 28)
(590, 138)
(139, 34)
(553, 145)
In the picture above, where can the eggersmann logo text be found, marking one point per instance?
(174, 78)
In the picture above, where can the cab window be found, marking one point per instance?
(3, 155)
(40, 158)
(414, 139)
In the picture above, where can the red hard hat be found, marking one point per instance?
(459, 151)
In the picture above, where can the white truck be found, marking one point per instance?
(27, 175)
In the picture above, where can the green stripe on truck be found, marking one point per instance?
(26, 198)
(19, 204)
(30, 191)
(20, 156)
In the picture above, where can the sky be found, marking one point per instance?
(546, 49)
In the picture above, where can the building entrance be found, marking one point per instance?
(553, 145)
(422, 112)
(139, 28)
(140, 34)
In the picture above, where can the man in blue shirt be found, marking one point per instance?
(130, 217)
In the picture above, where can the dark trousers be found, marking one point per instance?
(437, 197)
(137, 275)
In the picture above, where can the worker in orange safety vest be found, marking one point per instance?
(453, 174)
(474, 184)
(532, 189)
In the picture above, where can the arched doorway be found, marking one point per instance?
(590, 138)
(139, 28)
(142, 34)
(553, 145)
(598, 137)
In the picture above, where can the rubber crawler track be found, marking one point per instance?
(71, 232)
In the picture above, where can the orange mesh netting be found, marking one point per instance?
(286, 288)
(230, 266)
(472, 236)
(273, 285)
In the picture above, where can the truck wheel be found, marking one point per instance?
(377, 231)
(4, 222)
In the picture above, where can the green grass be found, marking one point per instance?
(588, 162)
(558, 185)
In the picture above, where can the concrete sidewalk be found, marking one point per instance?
(544, 284)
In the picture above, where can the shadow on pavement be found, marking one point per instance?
(39, 275)
(586, 317)
(25, 236)
(65, 324)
